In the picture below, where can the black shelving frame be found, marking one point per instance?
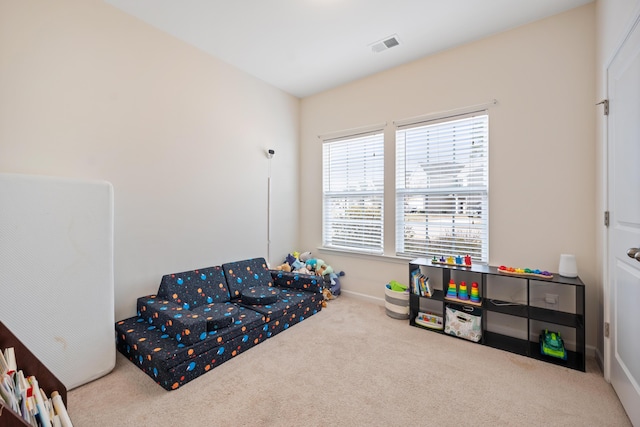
(525, 347)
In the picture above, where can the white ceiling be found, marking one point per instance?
(307, 46)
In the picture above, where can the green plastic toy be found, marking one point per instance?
(397, 286)
(551, 344)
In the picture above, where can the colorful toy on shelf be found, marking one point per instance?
(475, 294)
(458, 261)
(429, 320)
(452, 291)
(463, 295)
(460, 294)
(525, 272)
(552, 345)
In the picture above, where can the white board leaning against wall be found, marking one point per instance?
(56, 272)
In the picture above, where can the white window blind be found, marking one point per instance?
(353, 193)
(442, 187)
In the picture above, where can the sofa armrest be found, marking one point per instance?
(306, 282)
(182, 325)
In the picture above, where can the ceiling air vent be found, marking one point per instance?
(385, 44)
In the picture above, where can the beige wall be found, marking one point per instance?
(87, 91)
(542, 145)
(614, 20)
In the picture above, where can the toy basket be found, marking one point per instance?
(396, 303)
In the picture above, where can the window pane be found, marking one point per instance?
(353, 186)
(442, 188)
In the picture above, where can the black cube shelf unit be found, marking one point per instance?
(523, 312)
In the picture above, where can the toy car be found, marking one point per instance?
(551, 344)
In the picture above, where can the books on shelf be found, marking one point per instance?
(24, 396)
(10, 359)
(420, 284)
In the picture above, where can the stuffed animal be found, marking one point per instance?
(320, 267)
(290, 259)
(293, 261)
(312, 263)
(284, 267)
(324, 269)
(334, 283)
(303, 263)
(304, 256)
(303, 270)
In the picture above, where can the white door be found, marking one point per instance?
(623, 80)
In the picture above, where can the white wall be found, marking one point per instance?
(87, 91)
(542, 145)
(614, 19)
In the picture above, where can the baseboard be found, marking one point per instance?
(599, 358)
(363, 297)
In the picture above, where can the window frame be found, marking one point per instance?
(367, 235)
(477, 193)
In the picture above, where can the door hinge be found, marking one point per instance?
(605, 102)
(606, 218)
(606, 329)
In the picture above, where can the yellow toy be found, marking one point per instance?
(284, 267)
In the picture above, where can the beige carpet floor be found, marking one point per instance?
(351, 365)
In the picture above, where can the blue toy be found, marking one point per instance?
(334, 285)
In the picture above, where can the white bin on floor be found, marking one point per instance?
(396, 303)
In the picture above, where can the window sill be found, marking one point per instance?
(365, 256)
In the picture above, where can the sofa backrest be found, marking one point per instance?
(194, 288)
(246, 274)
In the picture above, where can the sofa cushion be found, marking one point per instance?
(306, 282)
(194, 288)
(183, 325)
(246, 274)
(260, 295)
(288, 300)
(171, 369)
(218, 314)
(165, 351)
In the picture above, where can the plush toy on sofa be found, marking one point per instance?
(304, 256)
(304, 263)
(293, 261)
(304, 270)
(324, 269)
(315, 264)
(311, 263)
(297, 262)
(320, 267)
(284, 267)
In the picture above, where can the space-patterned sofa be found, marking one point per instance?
(202, 318)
